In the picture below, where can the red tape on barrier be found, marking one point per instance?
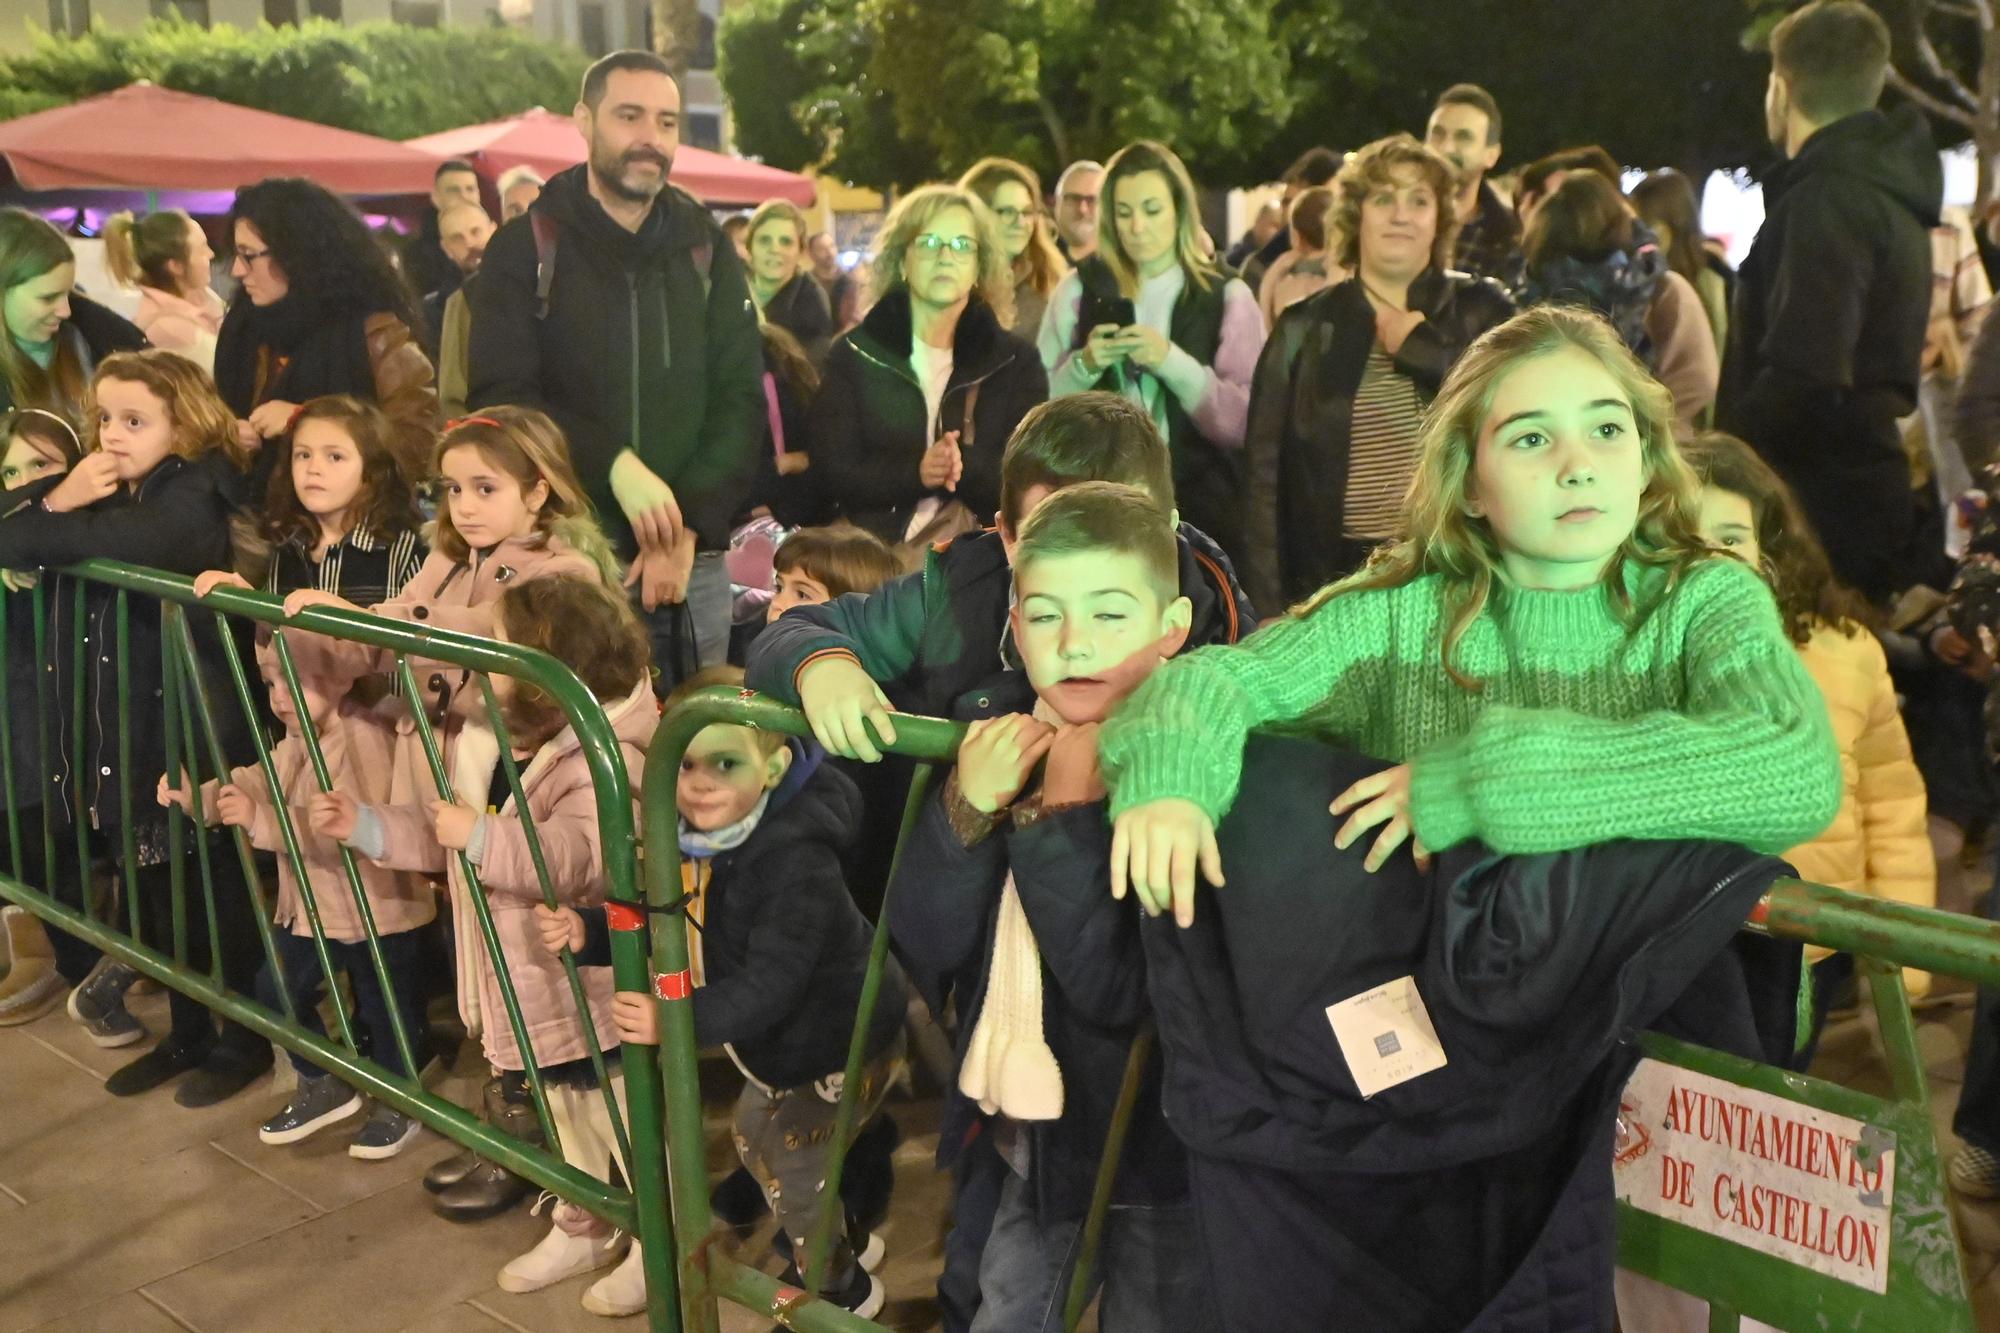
(673, 985)
(620, 917)
(1761, 912)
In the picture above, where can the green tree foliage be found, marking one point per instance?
(387, 79)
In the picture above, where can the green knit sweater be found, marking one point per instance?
(1697, 721)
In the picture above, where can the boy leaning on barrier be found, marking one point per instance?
(778, 953)
(1008, 876)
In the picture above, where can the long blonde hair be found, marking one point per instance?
(137, 250)
(1440, 537)
(528, 447)
(29, 248)
(994, 284)
(1135, 159)
(1039, 267)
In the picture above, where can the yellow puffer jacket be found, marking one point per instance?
(1878, 843)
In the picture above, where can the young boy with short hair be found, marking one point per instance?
(1010, 879)
(816, 565)
(926, 639)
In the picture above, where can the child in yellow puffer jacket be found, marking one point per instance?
(1878, 843)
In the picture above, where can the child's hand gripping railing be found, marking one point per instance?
(189, 713)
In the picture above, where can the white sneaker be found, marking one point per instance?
(620, 1292)
(560, 1256)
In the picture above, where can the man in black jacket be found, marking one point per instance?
(1827, 330)
(427, 264)
(620, 309)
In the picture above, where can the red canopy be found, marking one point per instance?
(144, 137)
(547, 143)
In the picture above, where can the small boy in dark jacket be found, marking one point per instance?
(778, 951)
(1013, 879)
(931, 638)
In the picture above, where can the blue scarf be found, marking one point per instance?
(701, 845)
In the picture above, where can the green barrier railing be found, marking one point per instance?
(198, 760)
(1925, 1287)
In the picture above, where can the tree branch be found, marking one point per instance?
(1933, 66)
(1956, 10)
(1930, 102)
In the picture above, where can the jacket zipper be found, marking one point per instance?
(909, 378)
(632, 309)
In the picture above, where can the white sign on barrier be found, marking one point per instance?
(1799, 1184)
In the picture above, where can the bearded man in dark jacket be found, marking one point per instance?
(1827, 329)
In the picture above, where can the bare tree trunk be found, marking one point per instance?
(676, 33)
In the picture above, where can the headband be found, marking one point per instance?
(451, 426)
(56, 417)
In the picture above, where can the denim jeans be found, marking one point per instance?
(1149, 1269)
(702, 621)
(1977, 1119)
(401, 955)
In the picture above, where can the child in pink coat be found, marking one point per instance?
(591, 628)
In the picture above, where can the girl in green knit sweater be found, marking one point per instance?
(1550, 653)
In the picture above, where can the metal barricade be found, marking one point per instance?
(194, 727)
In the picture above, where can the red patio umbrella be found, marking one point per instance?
(547, 143)
(144, 137)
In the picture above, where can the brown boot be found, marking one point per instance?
(31, 987)
(489, 1189)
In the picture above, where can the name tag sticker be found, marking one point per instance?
(1385, 1035)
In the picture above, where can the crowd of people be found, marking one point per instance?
(1323, 607)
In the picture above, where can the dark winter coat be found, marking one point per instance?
(784, 949)
(943, 905)
(871, 424)
(800, 308)
(178, 521)
(639, 348)
(1536, 971)
(934, 637)
(1827, 331)
(1302, 413)
(96, 332)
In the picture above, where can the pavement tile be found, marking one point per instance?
(463, 1318)
(320, 1168)
(128, 1312)
(132, 1226)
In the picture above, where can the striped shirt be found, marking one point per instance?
(1381, 449)
(362, 567)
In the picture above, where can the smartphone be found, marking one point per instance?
(1099, 310)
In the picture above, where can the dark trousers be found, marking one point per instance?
(402, 954)
(1977, 1119)
(235, 926)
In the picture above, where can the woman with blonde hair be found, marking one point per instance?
(1150, 316)
(781, 280)
(166, 255)
(919, 399)
(51, 339)
(1014, 192)
(1341, 389)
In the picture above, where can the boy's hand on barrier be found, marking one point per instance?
(305, 597)
(837, 695)
(1156, 849)
(93, 478)
(1380, 798)
(209, 580)
(1072, 776)
(333, 814)
(636, 1015)
(235, 807)
(452, 824)
(997, 756)
(561, 928)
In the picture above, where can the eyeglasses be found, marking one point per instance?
(930, 243)
(249, 257)
(1010, 216)
(1075, 200)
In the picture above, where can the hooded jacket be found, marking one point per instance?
(171, 321)
(1441, 1191)
(177, 520)
(1302, 417)
(931, 637)
(871, 423)
(1827, 331)
(800, 308)
(639, 348)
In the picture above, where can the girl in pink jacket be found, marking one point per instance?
(592, 629)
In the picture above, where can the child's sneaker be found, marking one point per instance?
(864, 1294)
(622, 1291)
(867, 1245)
(387, 1133)
(573, 1246)
(99, 1004)
(319, 1102)
(1975, 1173)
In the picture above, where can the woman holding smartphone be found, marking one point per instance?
(1151, 316)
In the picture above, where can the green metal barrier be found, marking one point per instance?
(1925, 1288)
(197, 759)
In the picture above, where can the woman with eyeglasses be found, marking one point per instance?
(1152, 317)
(920, 397)
(781, 282)
(1014, 192)
(53, 338)
(320, 310)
